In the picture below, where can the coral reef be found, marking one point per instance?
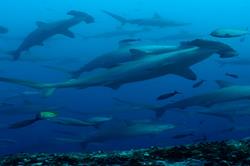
(211, 153)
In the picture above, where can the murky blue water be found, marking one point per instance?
(20, 103)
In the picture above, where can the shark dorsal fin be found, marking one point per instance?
(41, 24)
(156, 16)
(223, 84)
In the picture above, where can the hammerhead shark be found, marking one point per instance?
(155, 21)
(176, 62)
(226, 93)
(223, 102)
(121, 132)
(45, 31)
(125, 53)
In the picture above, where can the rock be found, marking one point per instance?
(214, 153)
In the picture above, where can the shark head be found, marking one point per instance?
(224, 50)
(86, 17)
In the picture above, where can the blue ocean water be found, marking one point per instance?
(20, 18)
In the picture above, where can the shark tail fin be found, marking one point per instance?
(46, 90)
(121, 19)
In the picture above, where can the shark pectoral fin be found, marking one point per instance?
(68, 34)
(186, 73)
(41, 24)
(48, 92)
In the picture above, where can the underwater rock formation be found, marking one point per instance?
(212, 153)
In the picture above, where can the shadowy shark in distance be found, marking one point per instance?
(121, 132)
(175, 62)
(155, 21)
(45, 31)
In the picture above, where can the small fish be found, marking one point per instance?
(229, 33)
(198, 84)
(168, 95)
(232, 75)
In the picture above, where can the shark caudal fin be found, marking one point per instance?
(46, 90)
(121, 19)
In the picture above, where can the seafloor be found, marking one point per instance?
(224, 153)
